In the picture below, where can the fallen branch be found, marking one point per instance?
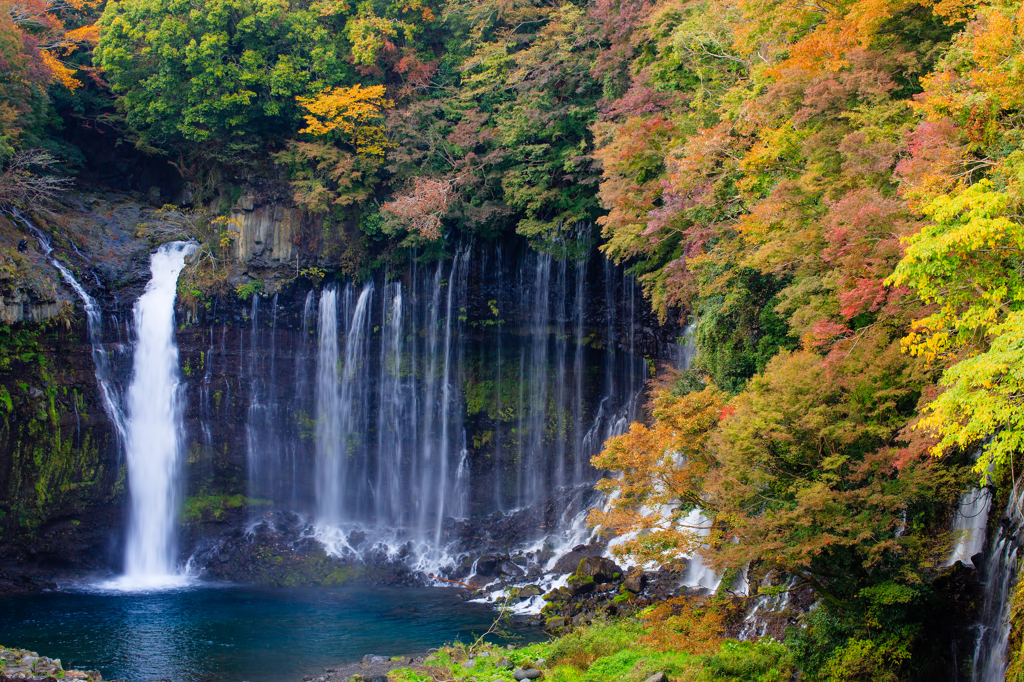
(435, 577)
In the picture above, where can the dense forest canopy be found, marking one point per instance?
(831, 191)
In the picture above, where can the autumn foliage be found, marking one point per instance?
(355, 114)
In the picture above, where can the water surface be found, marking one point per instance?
(235, 633)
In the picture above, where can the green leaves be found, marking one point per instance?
(223, 70)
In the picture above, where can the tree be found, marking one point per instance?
(218, 79)
(661, 471)
(355, 114)
(421, 209)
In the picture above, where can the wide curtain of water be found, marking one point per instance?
(481, 383)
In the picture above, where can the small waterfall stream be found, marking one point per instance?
(94, 322)
(154, 428)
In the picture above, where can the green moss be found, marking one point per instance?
(609, 651)
(200, 508)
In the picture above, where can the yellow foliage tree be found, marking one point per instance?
(356, 114)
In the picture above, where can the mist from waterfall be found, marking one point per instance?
(154, 417)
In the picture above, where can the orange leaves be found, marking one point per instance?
(661, 471)
(684, 624)
(89, 34)
(983, 80)
(355, 113)
(40, 20)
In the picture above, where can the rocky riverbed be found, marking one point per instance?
(23, 665)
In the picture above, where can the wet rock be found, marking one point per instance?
(555, 624)
(526, 674)
(509, 568)
(485, 564)
(635, 581)
(374, 659)
(657, 677)
(571, 561)
(19, 664)
(529, 591)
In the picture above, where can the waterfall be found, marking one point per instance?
(579, 450)
(341, 402)
(393, 401)
(416, 385)
(263, 447)
(969, 524)
(100, 359)
(153, 427)
(1000, 572)
(533, 483)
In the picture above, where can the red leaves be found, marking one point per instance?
(421, 209)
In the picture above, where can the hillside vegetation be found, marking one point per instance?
(831, 191)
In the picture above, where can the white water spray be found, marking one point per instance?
(154, 405)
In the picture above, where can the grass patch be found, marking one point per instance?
(609, 651)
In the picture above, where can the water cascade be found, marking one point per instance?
(154, 410)
(969, 525)
(405, 377)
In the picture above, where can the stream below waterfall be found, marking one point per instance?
(227, 632)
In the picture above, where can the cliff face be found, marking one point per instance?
(543, 356)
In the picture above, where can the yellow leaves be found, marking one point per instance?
(355, 113)
(59, 72)
(984, 400)
(227, 229)
(86, 34)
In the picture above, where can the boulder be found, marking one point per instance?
(508, 568)
(486, 564)
(521, 674)
(571, 561)
(600, 569)
(657, 677)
